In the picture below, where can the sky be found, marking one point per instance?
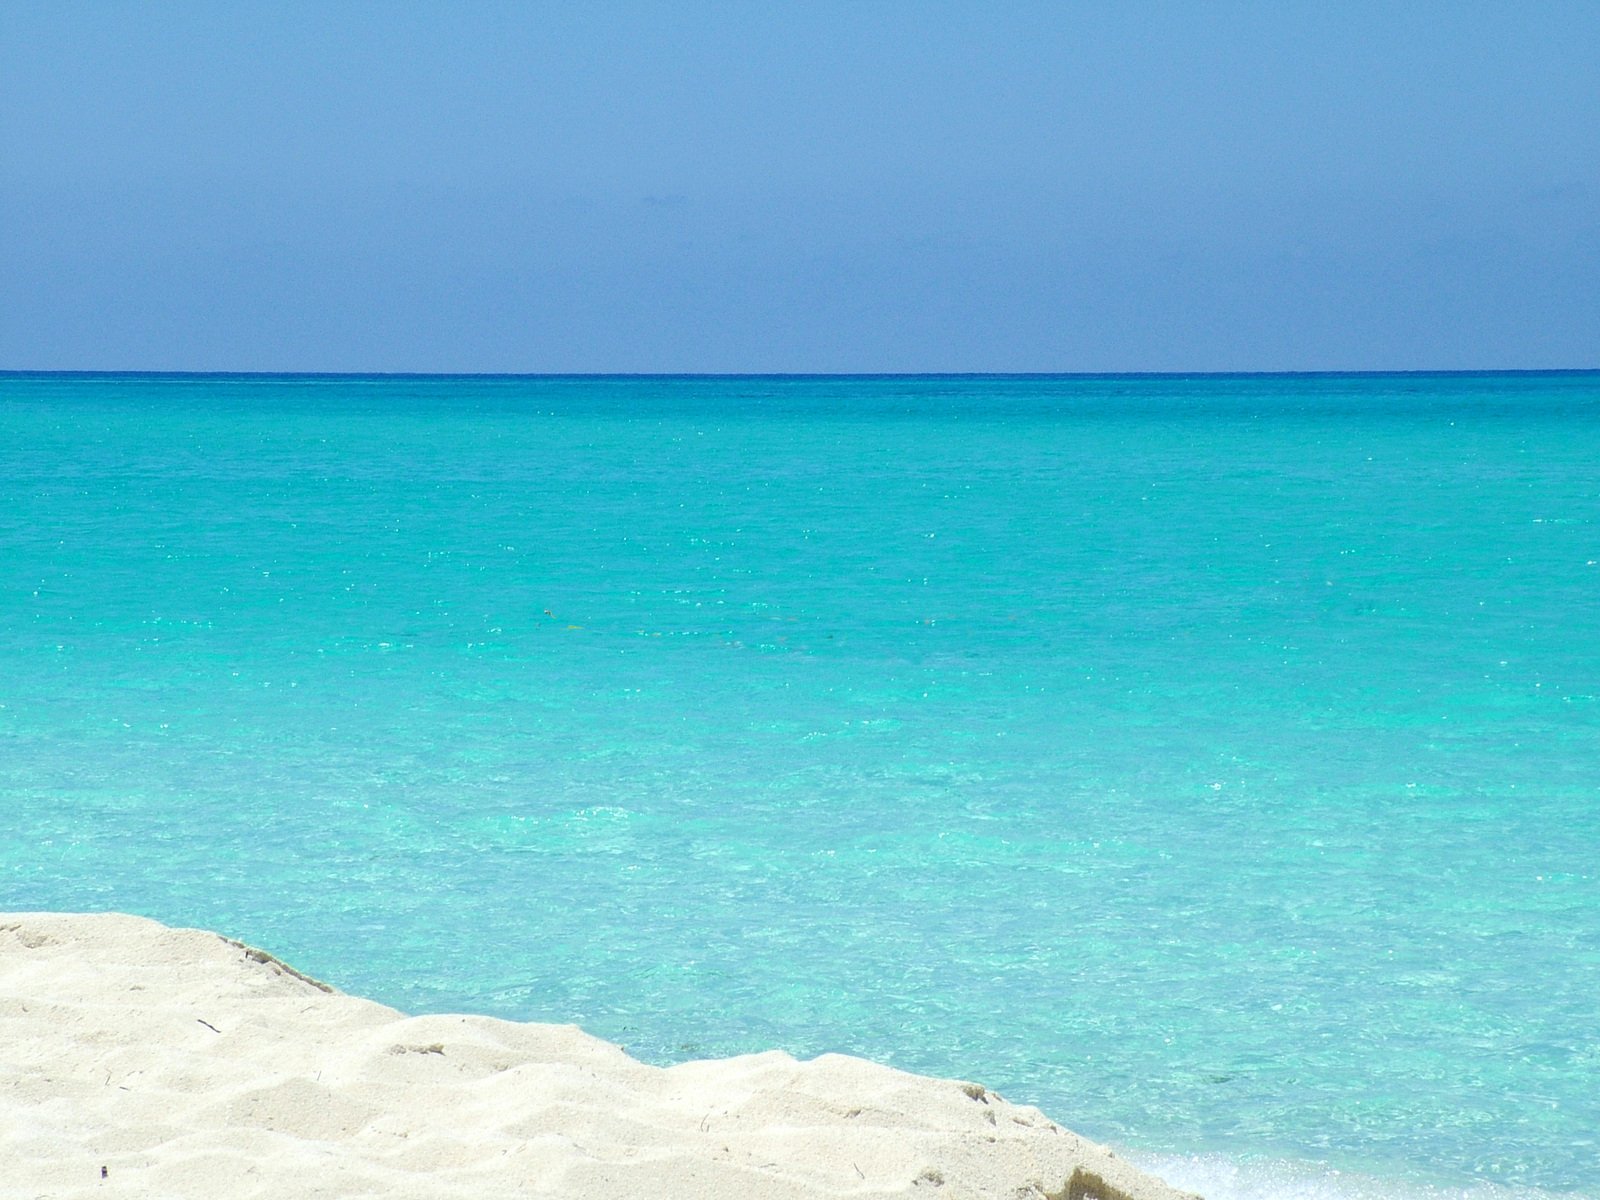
(799, 187)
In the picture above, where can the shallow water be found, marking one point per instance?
(1210, 761)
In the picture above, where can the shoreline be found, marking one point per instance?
(177, 1062)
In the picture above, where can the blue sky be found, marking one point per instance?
(867, 186)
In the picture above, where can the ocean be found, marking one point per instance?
(1212, 761)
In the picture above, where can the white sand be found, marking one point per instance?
(181, 1064)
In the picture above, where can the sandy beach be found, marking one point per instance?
(138, 1060)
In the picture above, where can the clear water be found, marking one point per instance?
(1212, 762)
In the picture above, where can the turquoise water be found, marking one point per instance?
(1210, 761)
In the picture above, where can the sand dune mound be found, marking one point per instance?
(142, 1061)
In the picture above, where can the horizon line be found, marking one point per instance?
(100, 372)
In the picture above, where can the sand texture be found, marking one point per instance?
(142, 1061)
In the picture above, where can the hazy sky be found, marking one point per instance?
(869, 186)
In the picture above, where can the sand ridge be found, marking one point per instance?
(141, 1061)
